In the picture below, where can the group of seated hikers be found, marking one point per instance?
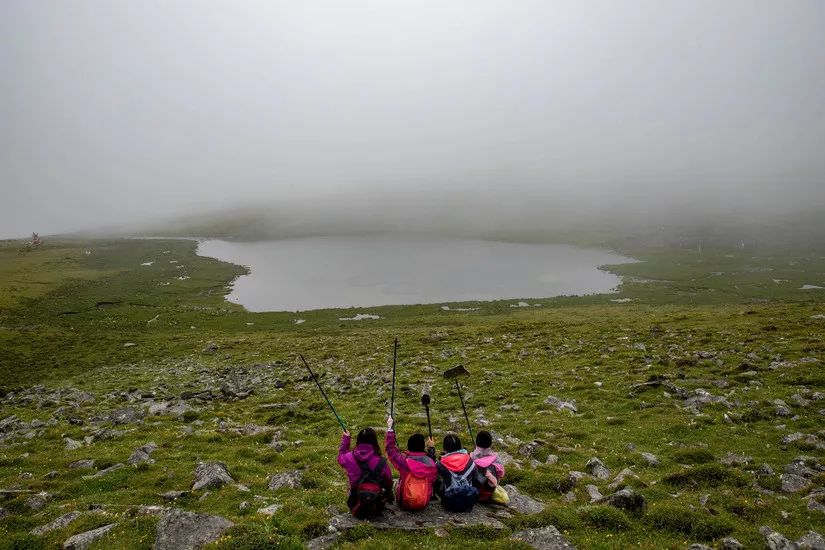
(460, 479)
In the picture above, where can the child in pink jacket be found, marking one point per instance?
(489, 468)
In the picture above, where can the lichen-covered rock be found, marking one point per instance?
(82, 541)
(181, 530)
(544, 538)
(211, 475)
(142, 454)
(58, 523)
(522, 503)
(289, 480)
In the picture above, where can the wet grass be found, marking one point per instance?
(588, 350)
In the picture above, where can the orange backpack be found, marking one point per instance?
(416, 492)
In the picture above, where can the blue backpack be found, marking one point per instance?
(460, 496)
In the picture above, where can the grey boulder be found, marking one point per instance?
(182, 530)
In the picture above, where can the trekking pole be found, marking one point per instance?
(425, 400)
(315, 379)
(454, 373)
(467, 418)
(392, 397)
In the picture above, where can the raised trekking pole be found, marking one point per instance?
(315, 379)
(425, 400)
(392, 396)
(454, 373)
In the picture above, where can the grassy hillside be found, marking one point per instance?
(706, 362)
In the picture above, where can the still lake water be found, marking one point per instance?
(361, 271)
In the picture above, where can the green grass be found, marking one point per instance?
(60, 335)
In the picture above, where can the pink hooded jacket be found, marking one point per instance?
(484, 458)
(422, 464)
(362, 453)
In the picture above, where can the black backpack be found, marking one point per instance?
(366, 498)
(460, 496)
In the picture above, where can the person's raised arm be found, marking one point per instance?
(343, 449)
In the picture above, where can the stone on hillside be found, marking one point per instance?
(551, 459)
(814, 506)
(83, 463)
(560, 404)
(697, 546)
(322, 543)
(270, 510)
(277, 444)
(530, 448)
(765, 470)
(58, 523)
(792, 483)
(109, 470)
(781, 408)
(597, 468)
(126, 415)
(72, 444)
(730, 543)
(627, 499)
(733, 459)
(775, 540)
(84, 540)
(289, 480)
(37, 502)
(700, 397)
(431, 517)
(142, 454)
(790, 438)
(181, 530)
(593, 493)
(211, 475)
(544, 538)
(811, 541)
(522, 503)
(651, 459)
(620, 478)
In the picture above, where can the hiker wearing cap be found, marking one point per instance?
(370, 477)
(489, 468)
(455, 477)
(416, 469)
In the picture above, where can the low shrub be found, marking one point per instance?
(693, 456)
(605, 517)
(698, 525)
(706, 475)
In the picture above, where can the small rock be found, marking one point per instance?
(792, 483)
(289, 480)
(181, 530)
(621, 477)
(37, 502)
(544, 538)
(597, 468)
(84, 540)
(324, 542)
(697, 546)
(270, 510)
(651, 459)
(627, 499)
(811, 541)
(522, 503)
(141, 455)
(775, 540)
(551, 459)
(593, 493)
(127, 415)
(72, 444)
(730, 543)
(243, 506)
(733, 459)
(211, 475)
(58, 523)
(109, 470)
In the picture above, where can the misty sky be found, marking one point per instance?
(114, 111)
